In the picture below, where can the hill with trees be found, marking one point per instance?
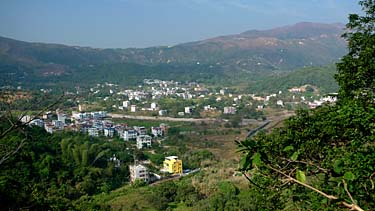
(227, 57)
(320, 77)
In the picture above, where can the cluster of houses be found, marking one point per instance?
(281, 102)
(146, 98)
(96, 124)
(151, 91)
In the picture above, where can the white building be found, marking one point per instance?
(61, 116)
(329, 99)
(140, 130)
(58, 124)
(154, 106)
(188, 110)
(143, 141)
(280, 103)
(93, 132)
(162, 112)
(116, 161)
(37, 122)
(139, 172)
(48, 128)
(129, 135)
(156, 131)
(133, 108)
(76, 115)
(26, 118)
(47, 115)
(125, 104)
(260, 107)
(109, 132)
(99, 114)
(295, 90)
(229, 110)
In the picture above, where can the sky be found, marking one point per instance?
(146, 23)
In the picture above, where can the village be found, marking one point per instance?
(189, 101)
(99, 124)
(193, 100)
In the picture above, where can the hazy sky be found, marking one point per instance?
(144, 23)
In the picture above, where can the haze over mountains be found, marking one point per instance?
(284, 48)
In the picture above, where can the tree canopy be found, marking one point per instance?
(323, 159)
(357, 69)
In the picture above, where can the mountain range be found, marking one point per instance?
(252, 52)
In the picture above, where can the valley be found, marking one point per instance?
(270, 119)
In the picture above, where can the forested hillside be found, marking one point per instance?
(242, 56)
(320, 77)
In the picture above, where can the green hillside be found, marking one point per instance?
(320, 77)
(226, 59)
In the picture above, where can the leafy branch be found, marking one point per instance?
(352, 206)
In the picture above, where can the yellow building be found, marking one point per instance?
(173, 165)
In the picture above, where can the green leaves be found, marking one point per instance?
(245, 145)
(257, 159)
(349, 176)
(338, 166)
(288, 148)
(245, 162)
(248, 161)
(300, 176)
(356, 69)
(294, 157)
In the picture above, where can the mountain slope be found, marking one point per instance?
(321, 77)
(283, 48)
(289, 47)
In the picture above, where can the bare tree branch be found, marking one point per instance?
(252, 182)
(17, 124)
(372, 182)
(12, 152)
(352, 206)
(347, 191)
(303, 184)
(306, 163)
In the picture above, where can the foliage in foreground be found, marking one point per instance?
(331, 149)
(51, 172)
(324, 159)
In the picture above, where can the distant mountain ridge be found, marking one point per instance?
(283, 48)
(302, 30)
(290, 47)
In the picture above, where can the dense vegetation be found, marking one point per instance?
(202, 192)
(54, 171)
(323, 159)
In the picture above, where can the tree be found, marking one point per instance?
(357, 69)
(323, 159)
(15, 124)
